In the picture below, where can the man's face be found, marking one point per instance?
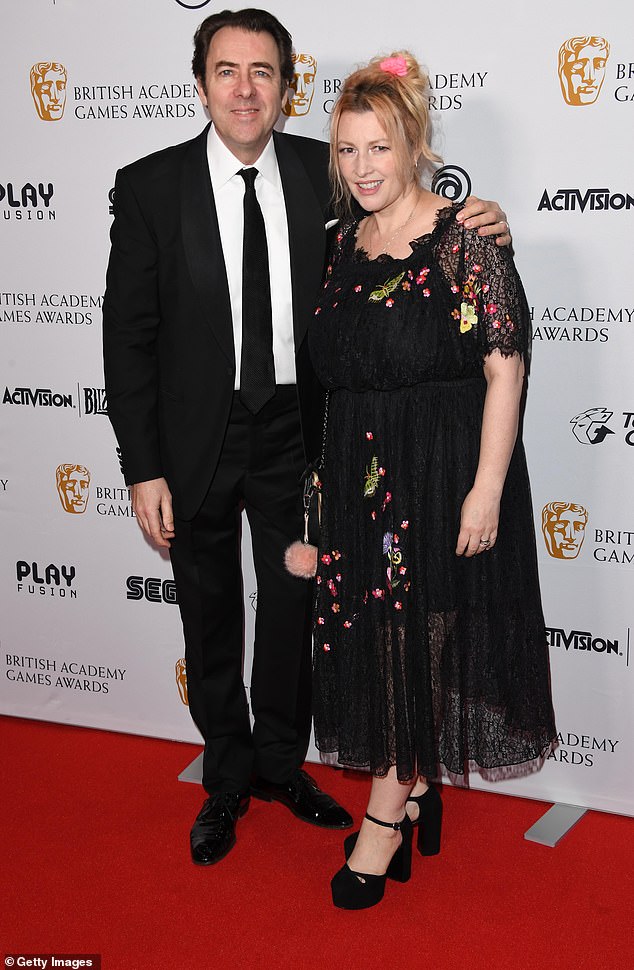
(49, 94)
(73, 490)
(584, 74)
(564, 534)
(243, 90)
(303, 88)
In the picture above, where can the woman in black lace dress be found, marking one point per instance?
(430, 645)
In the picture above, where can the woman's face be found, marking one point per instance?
(368, 161)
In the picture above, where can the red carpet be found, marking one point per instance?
(96, 859)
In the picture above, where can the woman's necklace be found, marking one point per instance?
(400, 228)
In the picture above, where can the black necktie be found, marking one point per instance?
(257, 372)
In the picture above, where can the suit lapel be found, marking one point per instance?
(306, 235)
(202, 244)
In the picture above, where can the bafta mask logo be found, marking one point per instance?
(590, 427)
(181, 680)
(73, 482)
(564, 528)
(581, 68)
(48, 88)
(302, 86)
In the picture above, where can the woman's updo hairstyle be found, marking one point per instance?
(396, 89)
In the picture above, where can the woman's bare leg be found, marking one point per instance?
(376, 845)
(419, 788)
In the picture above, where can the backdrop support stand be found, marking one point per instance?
(557, 822)
(194, 771)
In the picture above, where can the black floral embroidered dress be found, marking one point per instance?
(422, 659)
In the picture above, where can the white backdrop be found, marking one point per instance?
(90, 632)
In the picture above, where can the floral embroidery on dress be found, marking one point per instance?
(332, 584)
(471, 289)
(394, 559)
(371, 478)
(468, 317)
(422, 275)
(383, 292)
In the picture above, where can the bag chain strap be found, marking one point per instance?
(312, 482)
(324, 433)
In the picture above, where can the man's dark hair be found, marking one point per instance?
(257, 21)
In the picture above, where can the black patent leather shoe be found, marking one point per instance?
(305, 799)
(213, 833)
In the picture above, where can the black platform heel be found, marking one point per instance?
(360, 890)
(429, 821)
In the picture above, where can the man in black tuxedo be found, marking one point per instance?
(216, 407)
(176, 318)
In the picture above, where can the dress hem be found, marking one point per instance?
(490, 773)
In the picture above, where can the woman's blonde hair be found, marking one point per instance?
(397, 93)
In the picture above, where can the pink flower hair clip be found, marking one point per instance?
(394, 65)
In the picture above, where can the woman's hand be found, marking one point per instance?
(478, 523)
(481, 508)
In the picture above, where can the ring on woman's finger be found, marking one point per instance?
(485, 542)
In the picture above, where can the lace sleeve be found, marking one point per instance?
(489, 299)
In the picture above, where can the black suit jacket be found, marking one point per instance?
(168, 338)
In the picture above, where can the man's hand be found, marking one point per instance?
(487, 218)
(152, 504)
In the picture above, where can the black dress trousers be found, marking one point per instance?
(259, 470)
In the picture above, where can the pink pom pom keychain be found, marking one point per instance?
(300, 558)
